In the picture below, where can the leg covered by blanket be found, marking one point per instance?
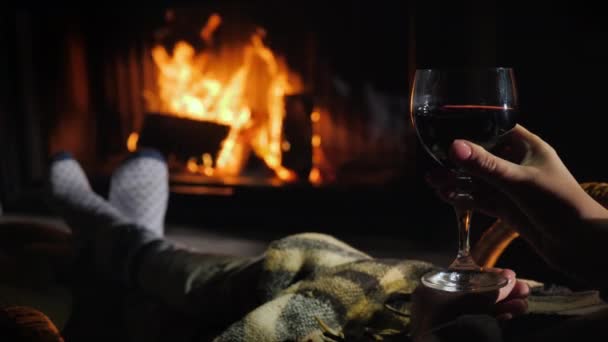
(305, 287)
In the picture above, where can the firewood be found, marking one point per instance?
(181, 137)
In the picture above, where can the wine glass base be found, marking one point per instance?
(464, 280)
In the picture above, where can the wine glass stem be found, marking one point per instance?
(464, 260)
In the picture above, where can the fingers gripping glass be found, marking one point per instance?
(479, 105)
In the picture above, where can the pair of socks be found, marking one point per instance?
(138, 193)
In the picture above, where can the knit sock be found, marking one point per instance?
(76, 202)
(139, 189)
(100, 230)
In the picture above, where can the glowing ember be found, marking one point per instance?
(132, 142)
(316, 140)
(242, 87)
(315, 176)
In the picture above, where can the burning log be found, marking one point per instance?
(181, 137)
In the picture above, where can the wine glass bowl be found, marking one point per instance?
(478, 105)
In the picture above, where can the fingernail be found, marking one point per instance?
(461, 150)
(510, 274)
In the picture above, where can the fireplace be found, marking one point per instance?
(261, 106)
(225, 98)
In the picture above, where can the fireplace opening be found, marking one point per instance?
(290, 111)
(228, 104)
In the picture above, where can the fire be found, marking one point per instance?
(132, 141)
(240, 86)
(315, 176)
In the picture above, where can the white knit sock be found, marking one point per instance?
(139, 189)
(76, 202)
(99, 229)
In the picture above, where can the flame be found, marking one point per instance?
(317, 174)
(316, 140)
(213, 23)
(132, 142)
(314, 176)
(239, 86)
(191, 165)
(286, 174)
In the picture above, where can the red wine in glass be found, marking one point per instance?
(438, 127)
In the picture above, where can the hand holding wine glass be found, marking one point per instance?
(479, 105)
(526, 184)
(521, 179)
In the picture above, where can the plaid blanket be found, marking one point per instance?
(305, 287)
(320, 289)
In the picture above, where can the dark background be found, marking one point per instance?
(558, 51)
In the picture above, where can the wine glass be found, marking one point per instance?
(476, 104)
